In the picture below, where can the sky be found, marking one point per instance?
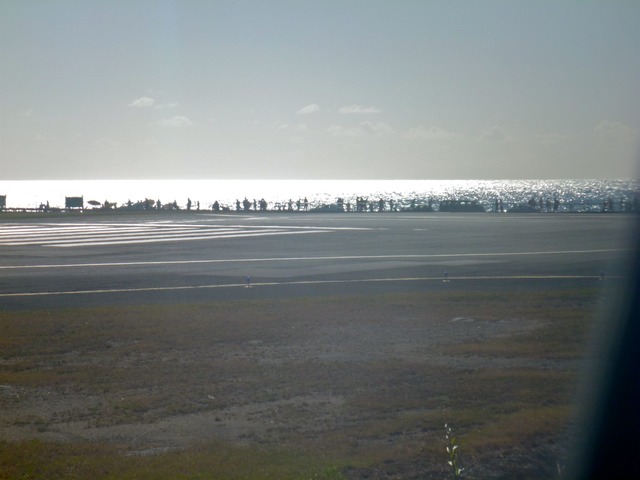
(348, 89)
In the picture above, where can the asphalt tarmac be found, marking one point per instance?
(90, 260)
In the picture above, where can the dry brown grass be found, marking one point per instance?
(290, 388)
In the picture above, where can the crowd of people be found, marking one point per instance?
(361, 205)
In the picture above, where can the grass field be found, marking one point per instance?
(346, 387)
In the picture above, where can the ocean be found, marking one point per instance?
(572, 195)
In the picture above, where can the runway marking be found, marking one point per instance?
(64, 238)
(295, 259)
(68, 235)
(164, 238)
(300, 282)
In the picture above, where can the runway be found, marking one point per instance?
(186, 257)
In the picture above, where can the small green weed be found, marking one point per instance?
(453, 453)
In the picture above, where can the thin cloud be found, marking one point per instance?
(363, 129)
(312, 108)
(105, 143)
(551, 138)
(143, 102)
(495, 134)
(358, 109)
(616, 131)
(179, 121)
(428, 133)
(166, 105)
(300, 127)
(376, 128)
(340, 131)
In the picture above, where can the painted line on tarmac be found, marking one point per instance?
(108, 235)
(151, 237)
(51, 235)
(297, 259)
(180, 237)
(302, 282)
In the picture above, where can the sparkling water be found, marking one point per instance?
(573, 195)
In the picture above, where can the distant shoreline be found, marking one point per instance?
(18, 213)
(331, 196)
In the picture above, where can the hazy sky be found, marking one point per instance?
(324, 89)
